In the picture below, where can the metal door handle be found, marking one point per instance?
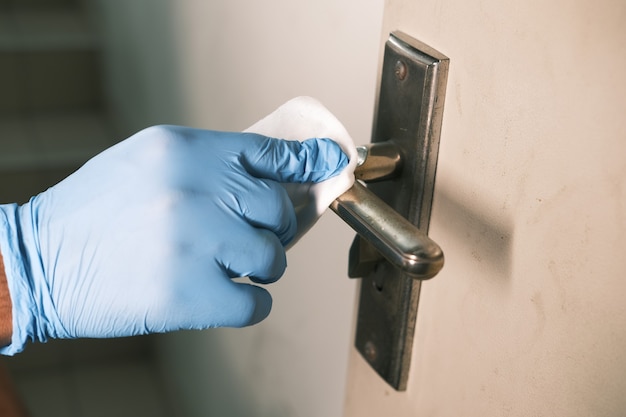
(392, 253)
(393, 236)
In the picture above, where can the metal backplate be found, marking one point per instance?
(409, 112)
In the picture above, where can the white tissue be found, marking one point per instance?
(304, 118)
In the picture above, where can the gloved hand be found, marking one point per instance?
(147, 236)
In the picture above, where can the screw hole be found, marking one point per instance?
(400, 70)
(370, 351)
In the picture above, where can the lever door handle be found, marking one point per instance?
(392, 252)
(394, 237)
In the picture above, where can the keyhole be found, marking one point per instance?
(378, 278)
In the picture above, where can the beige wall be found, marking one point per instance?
(528, 316)
(223, 65)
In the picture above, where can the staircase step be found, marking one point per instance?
(48, 60)
(38, 151)
(48, 80)
(39, 4)
(34, 30)
(42, 141)
(51, 120)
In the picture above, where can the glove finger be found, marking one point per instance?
(313, 160)
(258, 255)
(231, 304)
(262, 304)
(265, 204)
(245, 305)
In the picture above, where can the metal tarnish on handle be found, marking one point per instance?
(397, 239)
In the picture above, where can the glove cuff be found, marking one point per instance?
(17, 279)
(17, 266)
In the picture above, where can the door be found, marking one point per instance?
(528, 316)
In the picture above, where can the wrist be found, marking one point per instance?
(6, 314)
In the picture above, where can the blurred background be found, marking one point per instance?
(76, 76)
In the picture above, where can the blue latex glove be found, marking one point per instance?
(147, 236)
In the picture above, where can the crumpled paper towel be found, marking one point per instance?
(299, 119)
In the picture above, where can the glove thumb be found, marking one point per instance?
(313, 160)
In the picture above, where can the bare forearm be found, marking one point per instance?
(6, 317)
